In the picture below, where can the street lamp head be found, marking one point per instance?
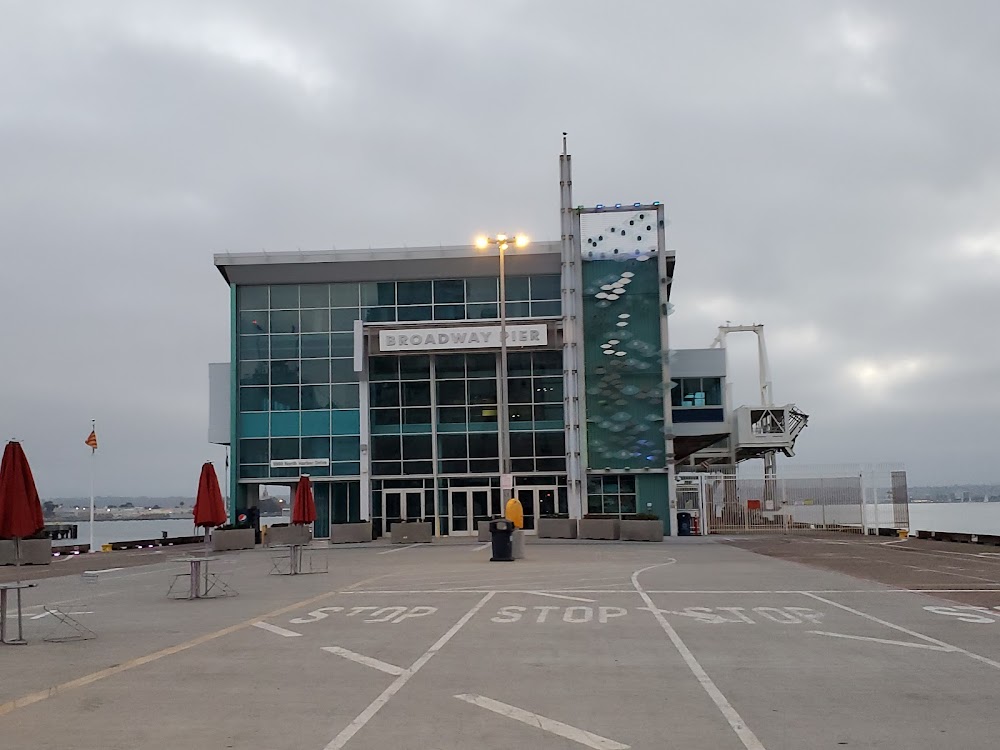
(501, 237)
(502, 245)
(521, 240)
(482, 242)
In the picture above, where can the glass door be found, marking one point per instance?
(401, 505)
(480, 509)
(459, 512)
(392, 510)
(527, 496)
(414, 505)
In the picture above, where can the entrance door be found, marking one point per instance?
(401, 505)
(536, 502)
(466, 507)
(528, 497)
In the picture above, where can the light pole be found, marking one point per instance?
(502, 242)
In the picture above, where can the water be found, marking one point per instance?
(106, 532)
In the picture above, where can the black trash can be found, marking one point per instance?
(683, 524)
(500, 534)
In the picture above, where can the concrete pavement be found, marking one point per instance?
(683, 644)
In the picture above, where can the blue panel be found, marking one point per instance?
(315, 423)
(284, 424)
(253, 425)
(346, 469)
(697, 415)
(346, 422)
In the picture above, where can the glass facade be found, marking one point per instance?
(298, 392)
(611, 495)
(459, 299)
(429, 439)
(432, 418)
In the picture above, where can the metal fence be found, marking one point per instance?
(736, 505)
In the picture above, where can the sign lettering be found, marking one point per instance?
(465, 337)
(968, 613)
(296, 463)
(395, 615)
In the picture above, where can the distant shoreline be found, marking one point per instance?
(138, 517)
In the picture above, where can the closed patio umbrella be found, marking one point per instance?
(304, 506)
(209, 509)
(20, 508)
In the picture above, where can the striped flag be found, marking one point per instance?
(92, 440)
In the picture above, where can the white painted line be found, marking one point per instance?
(746, 735)
(939, 552)
(276, 630)
(373, 708)
(632, 591)
(366, 660)
(541, 722)
(886, 641)
(480, 547)
(46, 614)
(560, 596)
(397, 549)
(901, 629)
(106, 570)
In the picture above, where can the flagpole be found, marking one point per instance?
(93, 471)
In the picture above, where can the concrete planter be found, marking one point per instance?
(557, 528)
(484, 531)
(641, 531)
(288, 535)
(224, 540)
(411, 532)
(8, 552)
(35, 551)
(599, 528)
(350, 533)
(517, 544)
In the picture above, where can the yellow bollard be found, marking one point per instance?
(903, 533)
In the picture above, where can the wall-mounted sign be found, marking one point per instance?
(298, 463)
(466, 337)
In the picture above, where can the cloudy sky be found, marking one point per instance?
(829, 169)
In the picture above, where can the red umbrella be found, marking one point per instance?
(304, 507)
(209, 509)
(20, 508)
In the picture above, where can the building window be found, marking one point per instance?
(611, 494)
(459, 299)
(692, 392)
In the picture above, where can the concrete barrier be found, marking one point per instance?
(633, 530)
(599, 528)
(557, 528)
(224, 540)
(350, 533)
(35, 551)
(412, 532)
(517, 544)
(8, 552)
(288, 534)
(484, 531)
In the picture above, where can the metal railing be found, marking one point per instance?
(735, 505)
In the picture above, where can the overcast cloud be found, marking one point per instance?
(829, 169)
